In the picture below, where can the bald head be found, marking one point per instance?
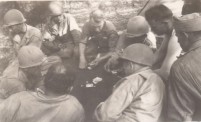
(97, 18)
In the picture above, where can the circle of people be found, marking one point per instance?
(155, 76)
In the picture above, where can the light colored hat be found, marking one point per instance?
(137, 26)
(55, 8)
(138, 53)
(30, 56)
(13, 17)
(188, 23)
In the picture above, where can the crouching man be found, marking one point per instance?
(53, 104)
(139, 96)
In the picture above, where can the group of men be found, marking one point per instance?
(37, 86)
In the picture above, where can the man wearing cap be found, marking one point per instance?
(138, 96)
(52, 104)
(137, 30)
(184, 95)
(62, 34)
(99, 37)
(21, 34)
(160, 20)
(32, 59)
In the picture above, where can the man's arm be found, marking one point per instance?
(82, 46)
(83, 61)
(36, 39)
(160, 54)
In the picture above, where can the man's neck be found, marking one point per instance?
(50, 94)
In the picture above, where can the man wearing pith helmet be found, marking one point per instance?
(139, 95)
(136, 32)
(62, 34)
(184, 95)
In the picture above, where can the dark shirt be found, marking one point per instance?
(184, 89)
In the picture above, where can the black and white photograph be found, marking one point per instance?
(100, 61)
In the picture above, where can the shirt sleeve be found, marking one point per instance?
(113, 35)
(36, 39)
(72, 23)
(8, 109)
(85, 32)
(113, 107)
(181, 105)
(120, 43)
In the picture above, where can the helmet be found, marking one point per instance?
(13, 17)
(138, 53)
(30, 56)
(137, 26)
(55, 8)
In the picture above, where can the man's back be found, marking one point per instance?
(36, 107)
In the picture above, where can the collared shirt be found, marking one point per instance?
(136, 98)
(30, 106)
(32, 36)
(62, 38)
(64, 28)
(184, 90)
(106, 38)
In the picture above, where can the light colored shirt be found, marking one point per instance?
(32, 36)
(30, 106)
(136, 98)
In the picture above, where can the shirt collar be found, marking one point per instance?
(195, 46)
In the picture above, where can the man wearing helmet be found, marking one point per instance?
(35, 63)
(137, 32)
(21, 34)
(139, 95)
(61, 34)
(51, 104)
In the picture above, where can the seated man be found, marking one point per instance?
(54, 104)
(137, 30)
(32, 57)
(20, 34)
(62, 34)
(139, 96)
(99, 38)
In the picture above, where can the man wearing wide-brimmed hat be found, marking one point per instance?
(184, 94)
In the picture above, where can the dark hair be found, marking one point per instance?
(59, 79)
(194, 6)
(159, 12)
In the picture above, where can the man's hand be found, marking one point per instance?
(111, 63)
(95, 62)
